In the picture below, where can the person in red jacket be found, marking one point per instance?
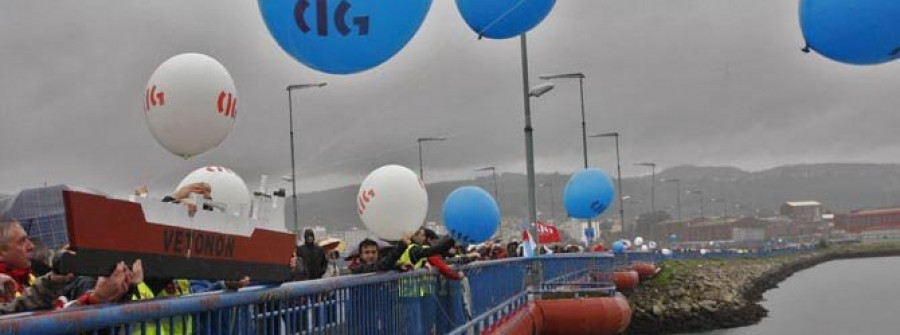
(437, 260)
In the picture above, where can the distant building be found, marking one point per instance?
(802, 212)
(720, 229)
(881, 232)
(857, 221)
(806, 217)
(42, 214)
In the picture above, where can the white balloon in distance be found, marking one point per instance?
(228, 187)
(392, 202)
(638, 241)
(645, 248)
(190, 104)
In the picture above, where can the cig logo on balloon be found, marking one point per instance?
(340, 18)
(152, 98)
(343, 36)
(364, 198)
(227, 104)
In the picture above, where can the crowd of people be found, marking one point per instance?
(29, 280)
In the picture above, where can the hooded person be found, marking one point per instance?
(312, 255)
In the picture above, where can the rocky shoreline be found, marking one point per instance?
(708, 294)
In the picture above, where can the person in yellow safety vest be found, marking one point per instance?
(177, 325)
(415, 255)
(175, 288)
(416, 249)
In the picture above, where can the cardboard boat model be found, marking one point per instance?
(172, 244)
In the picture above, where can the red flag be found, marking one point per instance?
(547, 233)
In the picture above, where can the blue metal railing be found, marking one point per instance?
(391, 303)
(418, 302)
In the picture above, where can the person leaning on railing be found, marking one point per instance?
(23, 292)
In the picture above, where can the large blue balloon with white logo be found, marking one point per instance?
(860, 32)
(588, 194)
(343, 36)
(471, 215)
(501, 19)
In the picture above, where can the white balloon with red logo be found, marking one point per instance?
(392, 202)
(190, 104)
(228, 188)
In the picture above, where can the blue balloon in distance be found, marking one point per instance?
(588, 194)
(471, 215)
(501, 19)
(343, 36)
(859, 32)
(618, 247)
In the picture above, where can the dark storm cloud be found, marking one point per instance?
(706, 82)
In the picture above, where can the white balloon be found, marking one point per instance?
(392, 202)
(638, 240)
(645, 248)
(652, 244)
(667, 252)
(190, 104)
(704, 251)
(228, 188)
(626, 243)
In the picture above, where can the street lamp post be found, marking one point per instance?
(290, 88)
(652, 184)
(700, 193)
(580, 77)
(619, 173)
(419, 141)
(494, 176)
(528, 93)
(724, 206)
(677, 193)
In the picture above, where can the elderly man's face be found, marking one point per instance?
(16, 253)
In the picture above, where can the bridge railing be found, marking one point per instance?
(419, 302)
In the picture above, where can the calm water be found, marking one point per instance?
(857, 296)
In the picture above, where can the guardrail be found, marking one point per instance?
(419, 302)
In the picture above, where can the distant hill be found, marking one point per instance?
(841, 187)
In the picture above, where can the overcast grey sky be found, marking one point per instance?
(710, 82)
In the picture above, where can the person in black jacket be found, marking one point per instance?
(412, 252)
(313, 256)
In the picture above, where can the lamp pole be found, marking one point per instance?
(652, 183)
(619, 174)
(419, 141)
(494, 176)
(580, 76)
(528, 93)
(724, 206)
(677, 193)
(291, 88)
(700, 193)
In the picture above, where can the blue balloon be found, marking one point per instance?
(471, 215)
(618, 247)
(861, 32)
(501, 19)
(588, 193)
(343, 36)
